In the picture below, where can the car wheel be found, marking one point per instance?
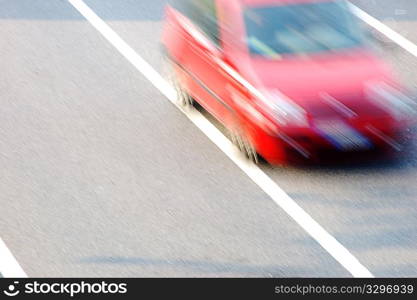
(244, 146)
(183, 98)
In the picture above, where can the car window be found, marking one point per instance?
(202, 13)
(301, 28)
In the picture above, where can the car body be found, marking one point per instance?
(287, 78)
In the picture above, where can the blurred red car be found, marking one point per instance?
(287, 78)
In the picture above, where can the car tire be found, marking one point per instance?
(183, 98)
(244, 146)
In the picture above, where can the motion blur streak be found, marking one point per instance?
(328, 242)
(9, 267)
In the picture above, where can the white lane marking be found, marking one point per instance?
(9, 267)
(328, 242)
(385, 30)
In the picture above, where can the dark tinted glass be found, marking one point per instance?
(301, 29)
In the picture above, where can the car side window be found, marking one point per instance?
(202, 13)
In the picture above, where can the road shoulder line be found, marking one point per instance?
(9, 267)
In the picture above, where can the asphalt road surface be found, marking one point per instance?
(100, 175)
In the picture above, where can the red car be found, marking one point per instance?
(287, 78)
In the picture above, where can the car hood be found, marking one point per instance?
(305, 80)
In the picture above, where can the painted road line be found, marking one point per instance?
(328, 242)
(385, 30)
(9, 267)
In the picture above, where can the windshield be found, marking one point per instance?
(301, 29)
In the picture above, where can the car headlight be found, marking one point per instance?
(285, 111)
(399, 105)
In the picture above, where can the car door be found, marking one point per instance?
(201, 56)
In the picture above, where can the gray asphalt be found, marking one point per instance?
(102, 176)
